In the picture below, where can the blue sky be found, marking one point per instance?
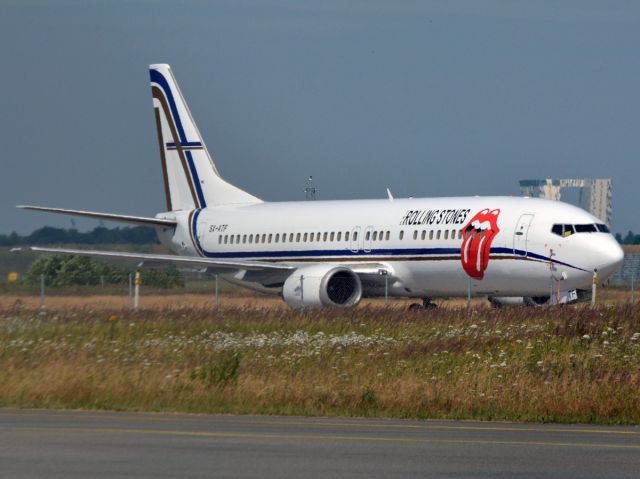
(426, 98)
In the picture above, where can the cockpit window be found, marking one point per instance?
(562, 230)
(568, 230)
(590, 228)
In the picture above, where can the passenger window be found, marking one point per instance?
(225, 239)
(291, 238)
(401, 234)
(304, 238)
(332, 236)
(244, 239)
(423, 235)
(324, 236)
(355, 236)
(311, 237)
(367, 236)
(438, 235)
(284, 237)
(346, 236)
(250, 238)
(387, 236)
(375, 235)
(339, 237)
(231, 239)
(446, 234)
(431, 234)
(277, 237)
(219, 239)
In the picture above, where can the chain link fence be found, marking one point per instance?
(629, 273)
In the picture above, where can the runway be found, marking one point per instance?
(72, 444)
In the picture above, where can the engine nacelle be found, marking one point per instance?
(322, 285)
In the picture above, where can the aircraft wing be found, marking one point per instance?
(190, 261)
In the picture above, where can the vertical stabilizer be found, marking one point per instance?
(191, 179)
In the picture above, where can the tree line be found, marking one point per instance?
(630, 238)
(100, 235)
(83, 271)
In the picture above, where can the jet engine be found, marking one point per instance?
(322, 285)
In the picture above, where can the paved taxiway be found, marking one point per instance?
(68, 444)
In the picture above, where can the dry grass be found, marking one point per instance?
(560, 364)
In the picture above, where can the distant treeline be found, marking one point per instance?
(631, 238)
(99, 235)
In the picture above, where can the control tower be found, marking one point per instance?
(595, 193)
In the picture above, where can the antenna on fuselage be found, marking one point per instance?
(310, 192)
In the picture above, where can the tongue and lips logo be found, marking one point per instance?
(478, 235)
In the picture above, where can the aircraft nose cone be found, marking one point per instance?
(610, 256)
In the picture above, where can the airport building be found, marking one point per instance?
(594, 193)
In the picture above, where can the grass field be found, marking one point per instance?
(253, 355)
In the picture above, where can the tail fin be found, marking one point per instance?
(191, 180)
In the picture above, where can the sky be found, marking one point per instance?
(427, 98)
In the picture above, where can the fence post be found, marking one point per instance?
(42, 290)
(386, 288)
(217, 296)
(302, 290)
(385, 273)
(136, 291)
(130, 291)
(469, 295)
(594, 288)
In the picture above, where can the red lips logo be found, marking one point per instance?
(478, 235)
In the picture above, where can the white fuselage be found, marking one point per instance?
(513, 253)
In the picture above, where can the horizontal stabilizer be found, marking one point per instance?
(136, 220)
(189, 261)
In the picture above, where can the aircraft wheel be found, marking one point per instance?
(415, 307)
(427, 304)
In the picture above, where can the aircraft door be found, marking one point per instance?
(521, 234)
(367, 239)
(355, 239)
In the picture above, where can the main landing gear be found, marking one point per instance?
(426, 304)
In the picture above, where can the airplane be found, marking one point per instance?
(334, 253)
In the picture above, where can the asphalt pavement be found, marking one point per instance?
(81, 444)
